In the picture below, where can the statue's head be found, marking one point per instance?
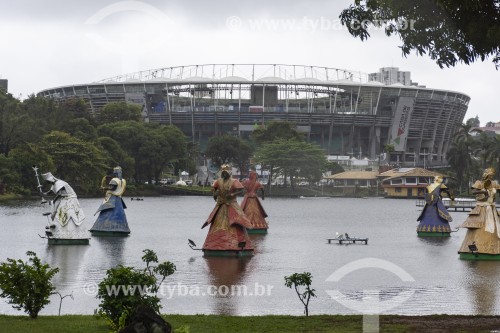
(226, 171)
(49, 177)
(438, 179)
(117, 172)
(489, 173)
(252, 175)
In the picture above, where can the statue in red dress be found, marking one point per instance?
(228, 234)
(251, 205)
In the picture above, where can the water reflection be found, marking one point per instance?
(482, 286)
(69, 260)
(225, 273)
(113, 248)
(435, 241)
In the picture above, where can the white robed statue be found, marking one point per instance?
(67, 220)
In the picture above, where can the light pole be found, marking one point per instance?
(425, 156)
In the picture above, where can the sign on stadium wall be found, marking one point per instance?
(135, 98)
(401, 123)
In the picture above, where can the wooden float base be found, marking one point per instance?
(433, 234)
(257, 231)
(100, 233)
(479, 256)
(348, 240)
(227, 253)
(61, 241)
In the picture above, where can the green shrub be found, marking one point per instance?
(125, 288)
(27, 285)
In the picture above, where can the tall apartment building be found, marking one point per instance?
(391, 75)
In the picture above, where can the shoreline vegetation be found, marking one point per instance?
(255, 324)
(276, 191)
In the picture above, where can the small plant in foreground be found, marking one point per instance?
(298, 280)
(27, 285)
(125, 288)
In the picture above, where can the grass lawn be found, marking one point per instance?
(257, 324)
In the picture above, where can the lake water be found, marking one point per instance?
(397, 271)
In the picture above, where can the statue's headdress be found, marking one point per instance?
(489, 172)
(117, 172)
(49, 177)
(227, 168)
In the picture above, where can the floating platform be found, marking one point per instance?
(227, 253)
(433, 234)
(99, 233)
(257, 231)
(458, 204)
(479, 256)
(61, 241)
(348, 240)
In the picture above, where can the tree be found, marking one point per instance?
(116, 155)
(119, 111)
(228, 149)
(292, 158)
(449, 31)
(131, 136)
(334, 168)
(75, 161)
(16, 126)
(473, 122)
(460, 155)
(27, 285)
(298, 280)
(276, 130)
(125, 288)
(493, 152)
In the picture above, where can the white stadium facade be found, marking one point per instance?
(346, 112)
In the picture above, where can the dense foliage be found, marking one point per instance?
(449, 31)
(27, 285)
(63, 138)
(469, 155)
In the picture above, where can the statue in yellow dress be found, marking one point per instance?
(482, 241)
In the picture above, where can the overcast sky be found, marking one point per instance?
(54, 43)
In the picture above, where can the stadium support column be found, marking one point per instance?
(169, 110)
(330, 134)
(192, 112)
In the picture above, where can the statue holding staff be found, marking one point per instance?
(67, 220)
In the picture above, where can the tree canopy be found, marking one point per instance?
(449, 31)
(228, 149)
(293, 158)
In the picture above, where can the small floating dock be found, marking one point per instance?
(350, 240)
(462, 204)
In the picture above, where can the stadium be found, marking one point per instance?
(347, 113)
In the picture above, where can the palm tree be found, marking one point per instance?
(493, 152)
(482, 149)
(459, 155)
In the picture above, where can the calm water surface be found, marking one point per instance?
(426, 271)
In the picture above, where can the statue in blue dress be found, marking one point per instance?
(112, 220)
(434, 218)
